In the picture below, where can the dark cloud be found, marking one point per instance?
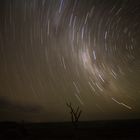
(6, 104)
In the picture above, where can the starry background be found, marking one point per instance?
(81, 51)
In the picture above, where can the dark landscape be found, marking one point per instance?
(112, 130)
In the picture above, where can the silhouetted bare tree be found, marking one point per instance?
(75, 114)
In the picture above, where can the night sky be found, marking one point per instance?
(86, 52)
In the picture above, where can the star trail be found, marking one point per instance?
(83, 51)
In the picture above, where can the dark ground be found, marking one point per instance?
(97, 130)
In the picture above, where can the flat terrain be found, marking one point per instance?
(97, 130)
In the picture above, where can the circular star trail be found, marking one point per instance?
(78, 51)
